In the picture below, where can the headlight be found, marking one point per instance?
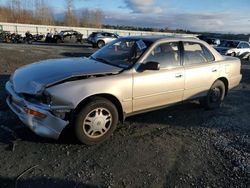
(47, 98)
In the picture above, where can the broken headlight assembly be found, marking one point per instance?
(44, 98)
(47, 99)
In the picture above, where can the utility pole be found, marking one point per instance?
(70, 19)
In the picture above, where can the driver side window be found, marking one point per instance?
(167, 54)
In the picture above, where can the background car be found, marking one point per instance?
(6, 36)
(100, 39)
(66, 36)
(233, 47)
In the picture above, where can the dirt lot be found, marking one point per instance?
(180, 146)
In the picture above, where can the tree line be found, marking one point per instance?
(40, 12)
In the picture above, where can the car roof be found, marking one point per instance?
(103, 32)
(154, 38)
(234, 40)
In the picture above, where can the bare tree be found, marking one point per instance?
(15, 7)
(85, 18)
(5, 14)
(70, 18)
(97, 18)
(43, 13)
(39, 12)
(91, 18)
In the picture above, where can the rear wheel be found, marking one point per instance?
(96, 121)
(100, 43)
(215, 96)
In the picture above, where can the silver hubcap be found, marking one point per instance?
(97, 122)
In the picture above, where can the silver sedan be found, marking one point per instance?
(130, 75)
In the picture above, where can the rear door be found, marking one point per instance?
(201, 69)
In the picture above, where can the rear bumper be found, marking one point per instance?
(50, 127)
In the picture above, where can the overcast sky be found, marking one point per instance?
(229, 16)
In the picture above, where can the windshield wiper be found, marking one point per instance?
(104, 61)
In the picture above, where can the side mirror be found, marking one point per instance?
(151, 65)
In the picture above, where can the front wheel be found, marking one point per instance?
(215, 96)
(96, 121)
(100, 43)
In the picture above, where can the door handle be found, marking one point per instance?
(178, 75)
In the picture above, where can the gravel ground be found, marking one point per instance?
(180, 146)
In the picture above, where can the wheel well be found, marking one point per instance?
(101, 41)
(109, 97)
(225, 81)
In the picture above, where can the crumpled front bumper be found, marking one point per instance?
(50, 127)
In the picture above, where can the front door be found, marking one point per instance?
(155, 88)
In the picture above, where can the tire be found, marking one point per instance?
(215, 96)
(96, 121)
(100, 43)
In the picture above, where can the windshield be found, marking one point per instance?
(122, 52)
(229, 44)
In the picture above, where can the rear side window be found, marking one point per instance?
(195, 53)
(107, 34)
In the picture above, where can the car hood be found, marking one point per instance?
(33, 78)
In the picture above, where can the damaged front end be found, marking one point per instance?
(37, 113)
(39, 110)
(46, 113)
